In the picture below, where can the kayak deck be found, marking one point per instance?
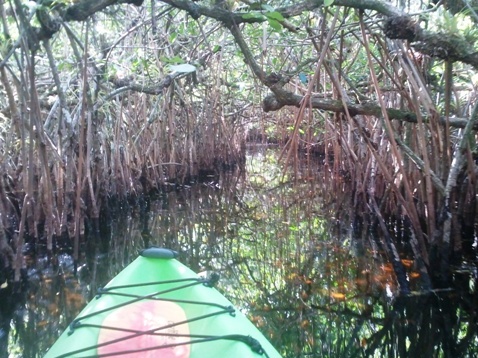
(157, 307)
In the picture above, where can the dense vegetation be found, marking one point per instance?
(109, 98)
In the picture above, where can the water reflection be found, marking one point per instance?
(292, 255)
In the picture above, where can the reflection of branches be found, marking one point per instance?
(425, 326)
(470, 337)
(259, 283)
(347, 312)
(375, 340)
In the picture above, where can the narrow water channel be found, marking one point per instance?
(292, 255)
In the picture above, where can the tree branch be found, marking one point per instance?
(281, 98)
(379, 6)
(84, 9)
(446, 46)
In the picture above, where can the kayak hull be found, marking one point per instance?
(158, 307)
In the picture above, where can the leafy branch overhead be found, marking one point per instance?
(395, 25)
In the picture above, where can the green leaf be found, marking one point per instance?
(267, 7)
(216, 49)
(276, 15)
(275, 24)
(183, 68)
(172, 37)
(328, 2)
(172, 60)
(253, 15)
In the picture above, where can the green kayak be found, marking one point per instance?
(157, 307)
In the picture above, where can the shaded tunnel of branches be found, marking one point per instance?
(108, 99)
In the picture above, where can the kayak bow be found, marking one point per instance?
(157, 307)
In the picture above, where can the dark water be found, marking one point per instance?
(292, 254)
